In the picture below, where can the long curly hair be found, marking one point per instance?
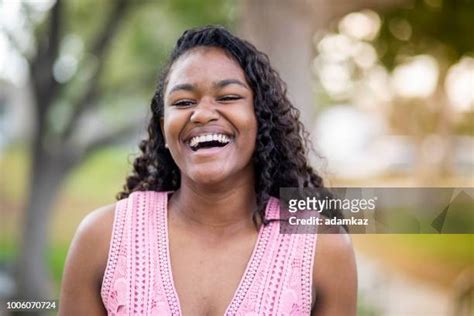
(281, 155)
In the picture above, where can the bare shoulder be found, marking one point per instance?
(333, 247)
(85, 264)
(97, 224)
(92, 239)
(334, 275)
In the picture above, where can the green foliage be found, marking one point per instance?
(149, 34)
(145, 35)
(197, 12)
(84, 17)
(440, 28)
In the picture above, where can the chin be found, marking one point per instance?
(208, 176)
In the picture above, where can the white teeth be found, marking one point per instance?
(207, 138)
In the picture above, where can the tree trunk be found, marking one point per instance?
(283, 30)
(33, 277)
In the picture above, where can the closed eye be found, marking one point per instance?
(228, 98)
(184, 103)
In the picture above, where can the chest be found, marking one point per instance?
(206, 276)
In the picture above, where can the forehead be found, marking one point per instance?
(204, 64)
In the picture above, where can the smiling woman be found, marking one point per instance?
(207, 99)
(196, 230)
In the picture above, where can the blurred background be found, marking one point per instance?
(385, 87)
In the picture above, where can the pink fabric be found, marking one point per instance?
(138, 278)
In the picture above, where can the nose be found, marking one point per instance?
(204, 112)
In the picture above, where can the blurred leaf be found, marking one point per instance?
(442, 32)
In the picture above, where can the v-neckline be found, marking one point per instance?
(245, 279)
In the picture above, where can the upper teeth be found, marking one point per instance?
(207, 138)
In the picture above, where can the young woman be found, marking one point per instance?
(196, 229)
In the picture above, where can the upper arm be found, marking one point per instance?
(85, 265)
(335, 276)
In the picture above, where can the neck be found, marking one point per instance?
(219, 207)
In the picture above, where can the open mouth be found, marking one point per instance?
(209, 141)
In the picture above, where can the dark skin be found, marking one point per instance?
(211, 231)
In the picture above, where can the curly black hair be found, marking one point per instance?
(281, 154)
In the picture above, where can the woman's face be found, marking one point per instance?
(209, 121)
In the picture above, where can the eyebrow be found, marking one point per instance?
(183, 86)
(226, 82)
(219, 84)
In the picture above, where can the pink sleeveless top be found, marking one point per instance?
(138, 278)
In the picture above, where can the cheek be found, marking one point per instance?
(249, 130)
(253, 130)
(172, 126)
(251, 123)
